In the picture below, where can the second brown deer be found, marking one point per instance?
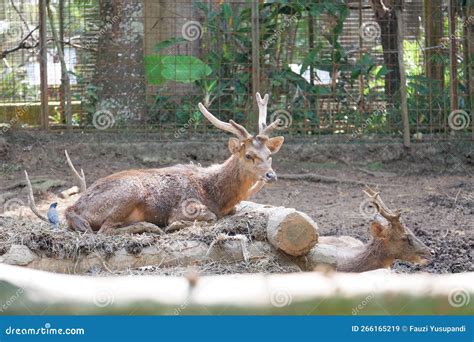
(391, 240)
(147, 199)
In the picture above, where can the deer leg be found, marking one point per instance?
(180, 219)
(137, 228)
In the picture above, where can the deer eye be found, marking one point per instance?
(248, 157)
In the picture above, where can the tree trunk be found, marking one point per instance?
(433, 34)
(120, 76)
(453, 64)
(469, 55)
(386, 17)
(403, 79)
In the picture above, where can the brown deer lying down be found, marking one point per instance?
(144, 200)
(391, 240)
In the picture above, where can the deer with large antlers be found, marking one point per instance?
(391, 240)
(144, 200)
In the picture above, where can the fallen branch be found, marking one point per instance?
(314, 177)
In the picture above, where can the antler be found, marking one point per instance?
(381, 207)
(262, 111)
(231, 127)
(31, 200)
(80, 178)
(263, 129)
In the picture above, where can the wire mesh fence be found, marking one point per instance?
(331, 66)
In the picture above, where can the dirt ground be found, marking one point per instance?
(432, 184)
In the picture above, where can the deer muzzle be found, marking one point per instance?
(271, 177)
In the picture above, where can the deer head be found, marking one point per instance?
(254, 152)
(397, 240)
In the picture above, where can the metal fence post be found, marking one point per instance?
(255, 58)
(452, 55)
(43, 61)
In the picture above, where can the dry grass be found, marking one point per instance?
(66, 244)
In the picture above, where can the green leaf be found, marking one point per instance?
(355, 73)
(227, 10)
(382, 71)
(184, 69)
(153, 68)
(168, 42)
(309, 60)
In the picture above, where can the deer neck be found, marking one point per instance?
(229, 184)
(371, 257)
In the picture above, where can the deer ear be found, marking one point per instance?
(234, 145)
(378, 230)
(275, 143)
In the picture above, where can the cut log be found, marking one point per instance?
(179, 254)
(289, 230)
(69, 192)
(255, 233)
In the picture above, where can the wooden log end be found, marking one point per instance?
(292, 231)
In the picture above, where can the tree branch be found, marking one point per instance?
(21, 45)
